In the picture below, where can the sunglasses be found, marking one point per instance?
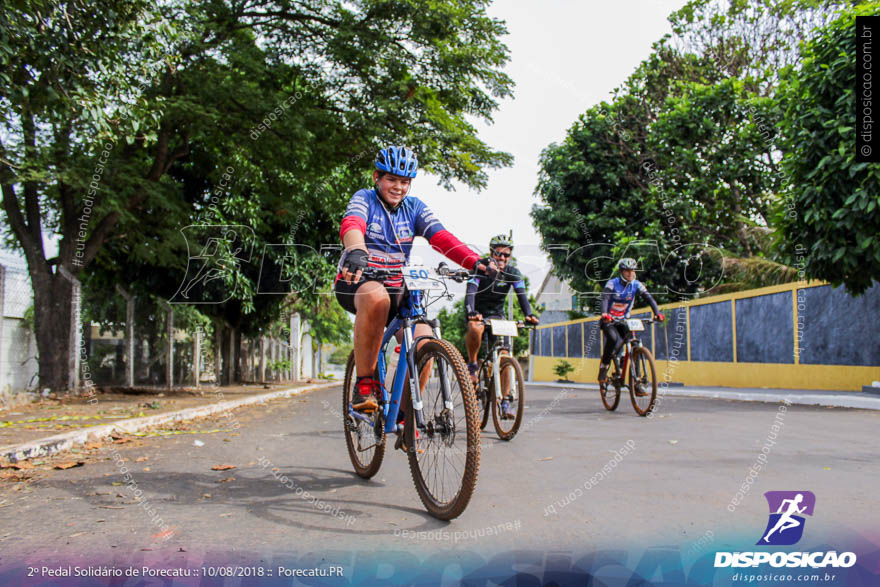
(502, 255)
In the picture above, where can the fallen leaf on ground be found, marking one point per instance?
(546, 459)
(165, 533)
(69, 464)
(221, 515)
(93, 445)
(117, 483)
(206, 495)
(222, 467)
(20, 465)
(227, 480)
(121, 440)
(141, 459)
(146, 469)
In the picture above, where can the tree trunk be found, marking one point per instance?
(53, 304)
(238, 356)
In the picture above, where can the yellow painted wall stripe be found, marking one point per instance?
(794, 318)
(695, 373)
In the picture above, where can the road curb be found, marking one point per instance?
(61, 442)
(797, 397)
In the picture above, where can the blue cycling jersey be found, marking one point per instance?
(622, 295)
(388, 234)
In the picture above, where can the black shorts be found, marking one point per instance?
(345, 293)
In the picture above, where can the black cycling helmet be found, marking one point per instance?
(501, 240)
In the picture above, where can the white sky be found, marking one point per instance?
(566, 56)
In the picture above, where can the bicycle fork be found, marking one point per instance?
(496, 377)
(409, 366)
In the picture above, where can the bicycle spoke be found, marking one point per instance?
(440, 464)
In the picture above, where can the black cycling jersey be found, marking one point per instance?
(486, 296)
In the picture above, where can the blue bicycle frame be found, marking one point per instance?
(411, 313)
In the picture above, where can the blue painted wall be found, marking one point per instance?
(559, 341)
(574, 339)
(837, 329)
(711, 335)
(765, 329)
(675, 318)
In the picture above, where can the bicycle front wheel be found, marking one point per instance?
(507, 425)
(484, 393)
(642, 381)
(364, 433)
(444, 456)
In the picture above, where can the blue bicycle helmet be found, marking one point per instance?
(397, 160)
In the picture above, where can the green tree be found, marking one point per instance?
(453, 325)
(290, 97)
(680, 170)
(831, 215)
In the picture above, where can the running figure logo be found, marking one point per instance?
(786, 525)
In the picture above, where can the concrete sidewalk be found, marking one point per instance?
(61, 442)
(805, 397)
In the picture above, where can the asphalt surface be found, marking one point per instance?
(672, 481)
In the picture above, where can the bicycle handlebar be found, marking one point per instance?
(457, 275)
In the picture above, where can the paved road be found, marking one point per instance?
(673, 486)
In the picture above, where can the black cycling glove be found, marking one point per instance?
(490, 273)
(355, 259)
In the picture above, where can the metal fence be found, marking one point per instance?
(136, 343)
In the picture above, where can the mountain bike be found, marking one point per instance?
(440, 432)
(500, 378)
(632, 358)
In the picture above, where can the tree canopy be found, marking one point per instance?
(126, 122)
(683, 169)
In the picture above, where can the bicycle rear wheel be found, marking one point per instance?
(642, 381)
(510, 369)
(365, 435)
(445, 457)
(484, 393)
(610, 393)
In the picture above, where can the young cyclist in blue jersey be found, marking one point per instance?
(377, 230)
(485, 298)
(618, 298)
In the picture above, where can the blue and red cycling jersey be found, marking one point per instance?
(618, 297)
(388, 234)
